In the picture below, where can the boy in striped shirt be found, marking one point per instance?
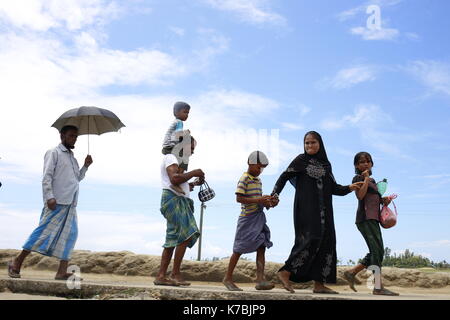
(252, 232)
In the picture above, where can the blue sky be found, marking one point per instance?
(258, 75)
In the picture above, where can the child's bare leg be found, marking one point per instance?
(350, 275)
(356, 269)
(228, 280)
(260, 264)
(165, 261)
(179, 254)
(261, 283)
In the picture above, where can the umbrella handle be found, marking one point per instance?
(88, 134)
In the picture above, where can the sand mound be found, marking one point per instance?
(128, 263)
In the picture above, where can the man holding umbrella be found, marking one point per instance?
(57, 231)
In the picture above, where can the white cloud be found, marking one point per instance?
(435, 75)
(376, 34)
(55, 78)
(371, 121)
(380, 33)
(350, 77)
(42, 15)
(42, 76)
(252, 11)
(363, 116)
(213, 44)
(350, 13)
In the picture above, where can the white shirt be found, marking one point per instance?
(61, 176)
(168, 160)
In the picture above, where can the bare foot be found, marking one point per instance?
(230, 285)
(351, 279)
(284, 278)
(320, 288)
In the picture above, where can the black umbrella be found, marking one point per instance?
(89, 120)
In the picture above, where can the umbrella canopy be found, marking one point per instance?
(89, 120)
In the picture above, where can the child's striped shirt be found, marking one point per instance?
(251, 187)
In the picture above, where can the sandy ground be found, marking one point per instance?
(108, 279)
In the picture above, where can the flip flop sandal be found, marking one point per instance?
(231, 287)
(351, 279)
(11, 272)
(166, 282)
(384, 292)
(264, 285)
(183, 283)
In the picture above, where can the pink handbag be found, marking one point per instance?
(388, 218)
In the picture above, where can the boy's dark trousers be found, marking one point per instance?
(370, 229)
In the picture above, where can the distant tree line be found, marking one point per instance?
(406, 260)
(409, 260)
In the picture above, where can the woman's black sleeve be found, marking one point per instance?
(339, 190)
(281, 182)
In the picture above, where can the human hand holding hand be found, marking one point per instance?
(266, 201)
(275, 201)
(355, 186)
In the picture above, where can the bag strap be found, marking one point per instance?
(204, 186)
(395, 208)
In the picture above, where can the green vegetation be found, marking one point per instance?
(409, 260)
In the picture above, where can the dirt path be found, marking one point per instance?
(213, 289)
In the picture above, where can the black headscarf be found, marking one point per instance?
(315, 165)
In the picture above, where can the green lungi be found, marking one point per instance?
(370, 229)
(181, 225)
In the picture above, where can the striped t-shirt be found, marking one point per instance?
(251, 187)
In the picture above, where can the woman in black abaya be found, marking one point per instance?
(313, 256)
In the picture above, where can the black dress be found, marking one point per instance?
(313, 256)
